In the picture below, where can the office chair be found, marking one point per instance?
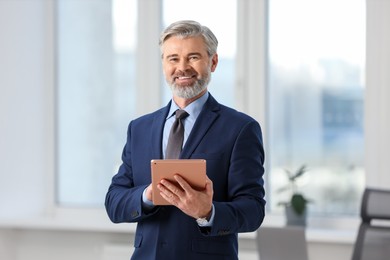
(373, 239)
(282, 243)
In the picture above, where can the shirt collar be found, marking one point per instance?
(192, 109)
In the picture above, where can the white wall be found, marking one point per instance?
(27, 139)
(64, 245)
(25, 106)
(377, 125)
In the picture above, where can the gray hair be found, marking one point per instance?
(188, 28)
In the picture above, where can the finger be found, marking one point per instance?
(168, 197)
(166, 193)
(209, 182)
(209, 185)
(171, 187)
(183, 183)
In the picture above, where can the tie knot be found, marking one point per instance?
(180, 114)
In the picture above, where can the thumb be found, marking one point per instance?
(209, 185)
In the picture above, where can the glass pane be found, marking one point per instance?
(316, 98)
(224, 27)
(96, 62)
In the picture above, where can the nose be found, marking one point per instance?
(183, 65)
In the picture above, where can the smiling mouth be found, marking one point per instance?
(183, 77)
(184, 80)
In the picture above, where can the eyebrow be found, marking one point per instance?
(170, 56)
(195, 53)
(189, 54)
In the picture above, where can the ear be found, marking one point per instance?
(214, 62)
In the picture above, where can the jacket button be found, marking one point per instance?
(223, 232)
(134, 213)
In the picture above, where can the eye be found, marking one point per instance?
(173, 59)
(193, 58)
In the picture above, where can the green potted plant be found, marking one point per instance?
(296, 207)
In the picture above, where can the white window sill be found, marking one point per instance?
(93, 220)
(340, 231)
(319, 230)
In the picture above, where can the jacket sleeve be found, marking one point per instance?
(123, 201)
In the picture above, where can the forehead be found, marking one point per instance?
(181, 46)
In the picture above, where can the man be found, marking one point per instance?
(199, 224)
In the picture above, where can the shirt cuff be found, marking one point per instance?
(211, 221)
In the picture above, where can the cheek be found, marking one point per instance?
(204, 70)
(168, 71)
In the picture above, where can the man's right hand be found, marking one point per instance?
(149, 192)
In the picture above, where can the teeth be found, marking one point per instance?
(184, 77)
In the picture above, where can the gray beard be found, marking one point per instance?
(188, 92)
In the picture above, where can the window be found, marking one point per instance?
(316, 98)
(96, 46)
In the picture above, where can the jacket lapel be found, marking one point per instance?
(208, 115)
(157, 134)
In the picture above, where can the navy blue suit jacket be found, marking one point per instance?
(231, 142)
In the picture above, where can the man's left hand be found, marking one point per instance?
(194, 203)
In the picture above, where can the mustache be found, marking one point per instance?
(187, 73)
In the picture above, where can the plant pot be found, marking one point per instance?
(293, 219)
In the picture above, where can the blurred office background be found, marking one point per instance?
(73, 73)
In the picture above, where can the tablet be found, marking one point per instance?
(192, 170)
